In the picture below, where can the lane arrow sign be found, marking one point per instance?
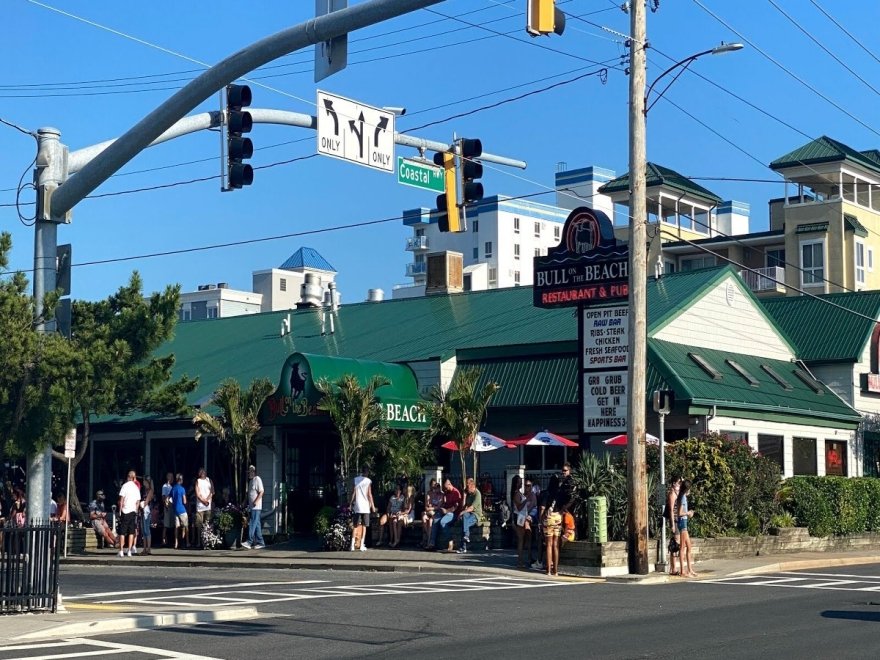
(381, 126)
(359, 132)
(328, 106)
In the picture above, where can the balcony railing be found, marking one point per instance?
(417, 243)
(771, 278)
(416, 269)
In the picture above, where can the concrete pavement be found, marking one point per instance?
(83, 619)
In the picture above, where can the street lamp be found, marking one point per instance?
(636, 478)
(684, 64)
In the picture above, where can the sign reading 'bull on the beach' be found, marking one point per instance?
(587, 267)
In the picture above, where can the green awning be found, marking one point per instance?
(812, 227)
(296, 399)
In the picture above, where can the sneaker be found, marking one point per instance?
(134, 550)
(129, 553)
(245, 545)
(259, 546)
(462, 550)
(363, 548)
(122, 553)
(538, 566)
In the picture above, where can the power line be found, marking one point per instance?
(845, 31)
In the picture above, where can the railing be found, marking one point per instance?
(417, 243)
(416, 269)
(29, 568)
(771, 278)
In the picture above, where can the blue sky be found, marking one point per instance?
(419, 61)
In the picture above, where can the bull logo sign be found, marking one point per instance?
(589, 266)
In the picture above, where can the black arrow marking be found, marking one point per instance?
(358, 132)
(382, 125)
(328, 106)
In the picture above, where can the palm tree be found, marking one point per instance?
(238, 422)
(458, 412)
(357, 416)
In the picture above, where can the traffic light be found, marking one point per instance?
(471, 189)
(542, 17)
(449, 218)
(238, 148)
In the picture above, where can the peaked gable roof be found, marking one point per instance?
(307, 257)
(657, 175)
(825, 150)
(844, 333)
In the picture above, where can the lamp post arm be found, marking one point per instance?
(685, 63)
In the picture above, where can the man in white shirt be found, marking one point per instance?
(255, 502)
(361, 506)
(204, 496)
(129, 498)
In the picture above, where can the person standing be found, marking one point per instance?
(167, 510)
(204, 497)
(129, 502)
(178, 505)
(147, 515)
(255, 502)
(675, 541)
(683, 513)
(362, 506)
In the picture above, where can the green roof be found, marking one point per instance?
(657, 175)
(731, 393)
(852, 224)
(530, 381)
(825, 150)
(844, 335)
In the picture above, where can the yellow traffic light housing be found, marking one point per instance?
(542, 17)
(449, 218)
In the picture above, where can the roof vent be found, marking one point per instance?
(311, 293)
(809, 381)
(222, 285)
(375, 295)
(700, 361)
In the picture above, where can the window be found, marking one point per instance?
(784, 384)
(516, 250)
(476, 253)
(804, 455)
(476, 225)
(770, 447)
(860, 263)
(812, 263)
(516, 225)
(487, 250)
(557, 232)
(537, 252)
(695, 263)
(420, 232)
(737, 436)
(835, 458)
(738, 368)
(668, 267)
(870, 260)
(776, 258)
(809, 381)
(700, 361)
(516, 278)
(466, 282)
(493, 276)
(282, 284)
(212, 312)
(537, 230)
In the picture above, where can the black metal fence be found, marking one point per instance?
(29, 568)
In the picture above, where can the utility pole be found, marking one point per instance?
(637, 536)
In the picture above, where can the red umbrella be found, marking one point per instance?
(621, 441)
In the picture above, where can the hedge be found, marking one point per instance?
(834, 505)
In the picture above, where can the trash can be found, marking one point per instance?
(597, 519)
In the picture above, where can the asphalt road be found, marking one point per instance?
(329, 614)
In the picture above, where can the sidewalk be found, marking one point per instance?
(83, 619)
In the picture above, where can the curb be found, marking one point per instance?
(139, 622)
(805, 564)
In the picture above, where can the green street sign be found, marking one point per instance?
(420, 175)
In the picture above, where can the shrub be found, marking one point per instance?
(835, 505)
(338, 534)
(783, 520)
(322, 521)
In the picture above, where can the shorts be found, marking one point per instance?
(145, 528)
(202, 517)
(169, 517)
(127, 523)
(360, 519)
(683, 524)
(181, 520)
(99, 525)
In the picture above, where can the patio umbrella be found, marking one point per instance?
(544, 439)
(482, 442)
(621, 441)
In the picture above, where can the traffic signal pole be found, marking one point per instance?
(56, 195)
